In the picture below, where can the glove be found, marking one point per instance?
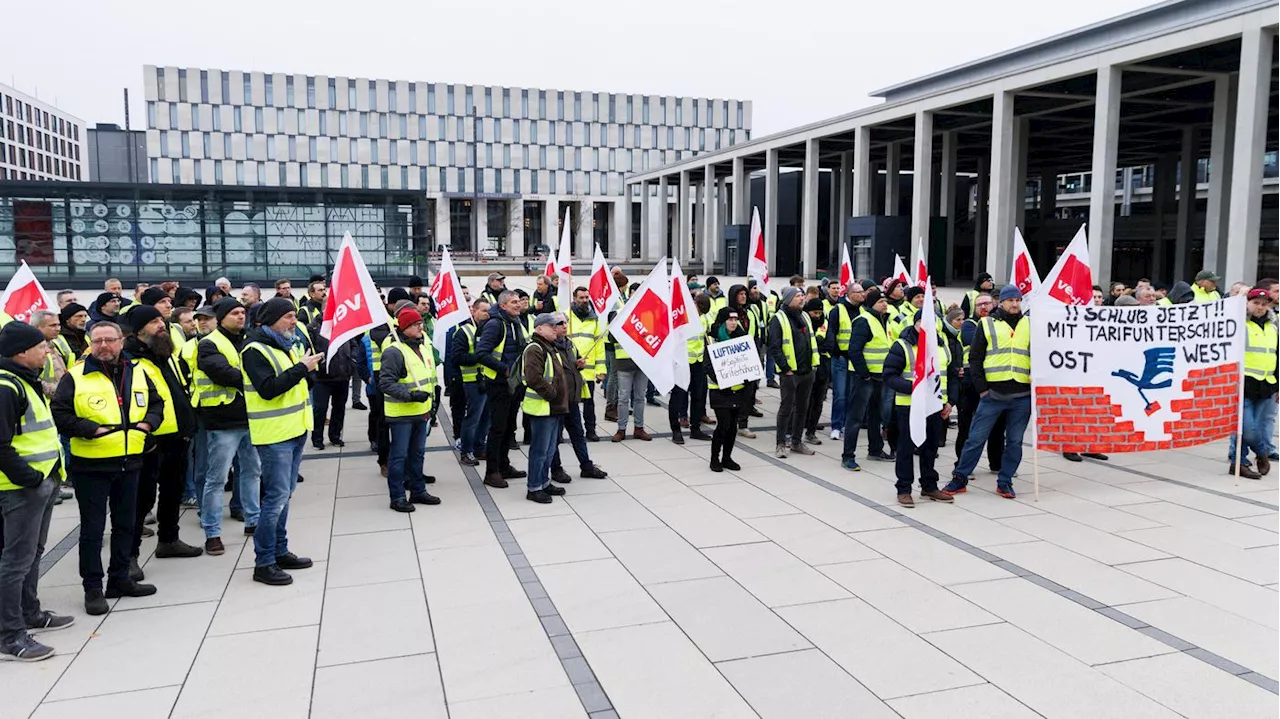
(418, 395)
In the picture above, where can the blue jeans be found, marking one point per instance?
(577, 437)
(404, 461)
(1269, 426)
(280, 463)
(475, 428)
(862, 410)
(543, 433)
(1017, 413)
(223, 444)
(1255, 430)
(839, 389)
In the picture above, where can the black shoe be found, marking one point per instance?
(337, 443)
(1071, 457)
(757, 413)
(553, 490)
(703, 436)
(402, 505)
(593, 472)
(135, 571)
(301, 479)
(513, 473)
(359, 405)
(729, 464)
(148, 531)
(652, 401)
(469, 460)
(249, 530)
(237, 515)
(272, 575)
(289, 560)
(882, 457)
(424, 498)
(540, 496)
(525, 440)
(592, 436)
(773, 384)
(129, 588)
(429, 479)
(561, 476)
(676, 437)
(496, 481)
(1101, 457)
(716, 466)
(318, 445)
(94, 603)
(178, 549)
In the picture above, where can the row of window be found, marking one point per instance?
(24, 112)
(28, 159)
(441, 179)
(40, 140)
(493, 102)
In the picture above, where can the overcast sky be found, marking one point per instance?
(798, 60)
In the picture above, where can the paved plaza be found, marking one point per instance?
(1141, 587)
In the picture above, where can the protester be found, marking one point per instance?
(682, 409)
(1206, 287)
(821, 371)
(57, 361)
(1099, 297)
(493, 288)
(379, 438)
(104, 309)
(251, 298)
(982, 286)
(726, 402)
(632, 384)
(794, 350)
(1260, 384)
(716, 295)
(869, 343)
(550, 378)
(311, 308)
(332, 383)
(498, 347)
(73, 319)
(587, 332)
(31, 472)
(406, 381)
(573, 418)
(65, 297)
(544, 296)
(462, 350)
(1180, 294)
(969, 397)
(839, 324)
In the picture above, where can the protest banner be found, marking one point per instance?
(736, 361)
(1136, 379)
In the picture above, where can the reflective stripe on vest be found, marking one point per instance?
(419, 374)
(585, 336)
(876, 348)
(903, 399)
(470, 372)
(1201, 295)
(533, 403)
(376, 348)
(96, 400)
(285, 417)
(64, 348)
(1260, 352)
(169, 424)
(210, 393)
(844, 330)
(788, 347)
(1008, 351)
(36, 439)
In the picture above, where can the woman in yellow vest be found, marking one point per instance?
(278, 404)
(899, 376)
(30, 475)
(728, 402)
(407, 382)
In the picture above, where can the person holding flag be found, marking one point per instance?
(687, 322)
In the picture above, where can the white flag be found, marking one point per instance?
(846, 269)
(685, 323)
(353, 305)
(922, 269)
(564, 267)
(24, 295)
(642, 328)
(1071, 280)
(899, 271)
(758, 259)
(1023, 273)
(451, 304)
(926, 383)
(600, 285)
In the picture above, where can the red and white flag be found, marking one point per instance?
(1071, 281)
(899, 271)
(846, 269)
(1023, 274)
(685, 322)
(642, 329)
(926, 382)
(922, 270)
(564, 267)
(758, 260)
(353, 305)
(451, 303)
(24, 295)
(600, 286)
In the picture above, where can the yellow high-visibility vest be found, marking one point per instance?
(288, 415)
(169, 424)
(470, 372)
(788, 346)
(1260, 352)
(876, 348)
(533, 404)
(36, 440)
(420, 374)
(903, 399)
(96, 401)
(1008, 356)
(208, 392)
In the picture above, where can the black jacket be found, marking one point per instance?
(263, 376)
(896, 362)
(76, 339)
(310, 312)
(858, 339)
(73, 425)
(456, 354)
(182, 409)
(799, 342)
(211, 362)
(347, 362)
(501, 325)
(12, 407)
(978, 354)
(393, 370)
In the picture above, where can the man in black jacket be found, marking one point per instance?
(311, 308)
(332, 383)
(865, 386)
(164, 464)
(105, 462)
(500, 343)
(790, 350)
(28, 488)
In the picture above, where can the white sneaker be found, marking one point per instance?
(744, 432)
(781, 452)
(837, 434)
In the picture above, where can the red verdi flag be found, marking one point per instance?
(353, 305)
(604, 293)
(24, 295)
(846, 269)
(451, 303)
(1071, 281)
(642, 328)
(758, 260)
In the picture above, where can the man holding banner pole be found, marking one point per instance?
(1260, 372)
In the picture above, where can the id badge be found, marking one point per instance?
(140, 399)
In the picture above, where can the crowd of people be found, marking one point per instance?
(175, 398)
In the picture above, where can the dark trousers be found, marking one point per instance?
(164, 471)
(331, 396)
(690, 404)
(725, 433)
(907, 451)
(969, 399)
(572, 423)
(457, 406)
(589, 408)
(26, 511)
(862, 410)
(502, 421)
(97, 493)
(748, 404)
(818, 396)
(793, 412)
(379, 436)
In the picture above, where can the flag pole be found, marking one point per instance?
(1239, 425)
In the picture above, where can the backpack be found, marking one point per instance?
(515, 376)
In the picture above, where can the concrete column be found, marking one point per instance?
(660, 240)
(863, 179)
(982, 194)
(1244, 232)
(584, 244)
(620, 229)
(833, 221)
(515, 227)
(741, 193)
(696, 223)
(1048, 192)
(683, 246)
(1021, 136)
(551, 220)
(707, 228)
(646, 241)
(1000, 202)
(846, 199)
(922, 185)
(1102, 195)
(1126, 192)
(481, 212)
(893, 163)
(769, 214)
(721, 218)
(1186, 201)
(947, 204)
(809, 212)
(444, 229)
(1162, 202)
(1220, 137)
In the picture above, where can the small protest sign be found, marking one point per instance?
(735, 361)
(1135, 379)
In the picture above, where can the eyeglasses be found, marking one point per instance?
(106, 341)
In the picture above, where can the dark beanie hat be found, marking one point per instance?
(140, 316)
(152, 295)
(395, 294)
(813, 305)
(18, 337)
(874, 295)
(223, 307)
(911, 292)
(70, 311)
(273, 309)
(415, 281)
(713, 281)
(106, 297)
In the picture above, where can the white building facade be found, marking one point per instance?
(498, 162)
(38, 141)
